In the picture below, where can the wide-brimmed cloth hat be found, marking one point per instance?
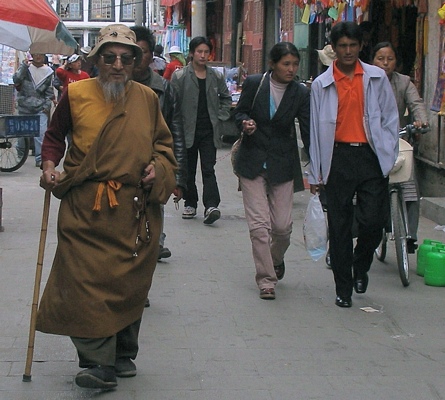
(327, 55)
(117, 33)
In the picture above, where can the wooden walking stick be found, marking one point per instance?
(38, 278)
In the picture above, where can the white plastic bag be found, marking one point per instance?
(315, 231)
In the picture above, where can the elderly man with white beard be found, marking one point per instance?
(118, 171)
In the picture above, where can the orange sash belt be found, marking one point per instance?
(112, 187)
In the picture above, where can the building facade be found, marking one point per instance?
(244, 30)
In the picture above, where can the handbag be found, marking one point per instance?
(234, 153)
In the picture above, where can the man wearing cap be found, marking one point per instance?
(118, 170)
(70, 72)
(177, 61)
(34, 83)
(85, 63)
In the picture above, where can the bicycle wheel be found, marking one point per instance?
(399, 231)
(13, 153)
(380, 251)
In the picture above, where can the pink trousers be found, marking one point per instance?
(268, 210)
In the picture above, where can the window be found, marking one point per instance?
(128, 10)
(70, 10)
(102, 10)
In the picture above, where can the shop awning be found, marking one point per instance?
(169, 3)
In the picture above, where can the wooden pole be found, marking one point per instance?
(37, 281)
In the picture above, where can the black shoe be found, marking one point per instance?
(164, 252)
(344, 302)
(97, 377)
(125, 368)
(279, 271)
(147, 303)
(361, 284)
(412, 246)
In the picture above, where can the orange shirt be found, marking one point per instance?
(350, 106)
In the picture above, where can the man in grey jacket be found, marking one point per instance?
(33, 81)
(353, 146)
(204, 101)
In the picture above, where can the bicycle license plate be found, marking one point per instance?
(19, 125)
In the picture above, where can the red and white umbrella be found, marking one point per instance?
(34, 25)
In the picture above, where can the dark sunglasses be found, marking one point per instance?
(110, 59)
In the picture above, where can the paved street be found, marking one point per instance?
(208, 335)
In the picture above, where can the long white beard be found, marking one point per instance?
(113, 91)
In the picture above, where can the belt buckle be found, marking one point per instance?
(355, 144)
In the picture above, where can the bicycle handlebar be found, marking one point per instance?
(410, 130)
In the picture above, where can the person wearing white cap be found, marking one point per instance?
(70, 72)
(326, 55)
(86, 64)
(118, 170)
(177, 61)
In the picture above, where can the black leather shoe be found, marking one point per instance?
(344, 302)
(98, 377)
(361, 284)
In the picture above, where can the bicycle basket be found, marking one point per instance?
(403, 167)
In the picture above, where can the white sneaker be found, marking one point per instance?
(189, 212)
(211, 215)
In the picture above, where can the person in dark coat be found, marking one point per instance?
(268, 161)
(170, 111)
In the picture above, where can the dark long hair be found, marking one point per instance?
(282, 49)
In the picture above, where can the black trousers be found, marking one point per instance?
(354, 171)
(203, 144)
(105, 351)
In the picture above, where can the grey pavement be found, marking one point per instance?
(208, 335)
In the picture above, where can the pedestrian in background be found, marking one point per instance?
(159, 62)
(70, 71)
(384, 55)
(353, 147)
(268, 163)
(85, 63)
(118, 170)
(204, 100)
(171, 112)
(177, 61)
(33, 81)
(326, 56)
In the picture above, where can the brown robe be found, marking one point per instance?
(97, 286)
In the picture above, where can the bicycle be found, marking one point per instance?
(15, 134)
(398, 229)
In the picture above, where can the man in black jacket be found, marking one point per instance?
(170, 110)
